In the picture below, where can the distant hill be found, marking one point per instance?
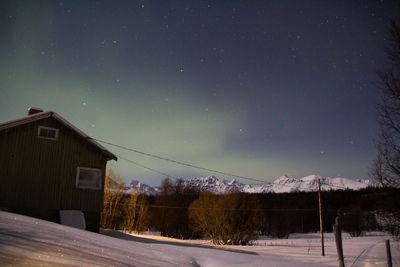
(283, 184)
(136, 186)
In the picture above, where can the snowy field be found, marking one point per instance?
(26, 241)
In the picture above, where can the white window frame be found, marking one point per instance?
(48, 128)
(99, 171)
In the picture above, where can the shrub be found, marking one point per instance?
(230, 219)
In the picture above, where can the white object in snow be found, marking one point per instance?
(73, 218)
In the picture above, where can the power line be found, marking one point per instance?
(148, 168)
(337, 186)
(307, 189)
(170, 176)
(178, 162)
(288, 186)
(207, 208)
(195, 166)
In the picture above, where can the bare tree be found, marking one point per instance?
(229, 219)
(142, 221)
(135, 212)
(386, 166)
(113, 195)
(129, 206)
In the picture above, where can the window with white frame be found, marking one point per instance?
(88, 178)
(47, 133)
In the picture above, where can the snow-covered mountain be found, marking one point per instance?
(283, 184)
(136, 186)
(215, 185)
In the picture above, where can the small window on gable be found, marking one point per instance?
(88, 178)
(48, 133)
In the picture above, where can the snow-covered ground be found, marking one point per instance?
(26, 241)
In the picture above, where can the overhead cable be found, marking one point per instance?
(148, 168)
(178, 162)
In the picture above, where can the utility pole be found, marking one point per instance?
(320, 218)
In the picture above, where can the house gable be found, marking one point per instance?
(43, 115)
(41, 173)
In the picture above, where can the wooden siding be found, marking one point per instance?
(37, 173)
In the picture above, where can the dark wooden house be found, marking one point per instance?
(47, 165)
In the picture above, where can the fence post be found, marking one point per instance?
(338, 240)
(388, 254)
(320, 219)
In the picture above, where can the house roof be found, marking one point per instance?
(52, 114)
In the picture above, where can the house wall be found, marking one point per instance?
(40, 175)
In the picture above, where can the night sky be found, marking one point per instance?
(255, 88)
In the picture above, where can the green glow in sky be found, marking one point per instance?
(255, 89)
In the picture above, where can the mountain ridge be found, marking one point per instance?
(283, 184)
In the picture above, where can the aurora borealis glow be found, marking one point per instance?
(255, 88)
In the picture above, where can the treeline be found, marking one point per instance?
(121, 211)
(238, 218)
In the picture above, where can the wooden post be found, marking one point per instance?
(339, 244)
(388, 254)
(320, 218)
